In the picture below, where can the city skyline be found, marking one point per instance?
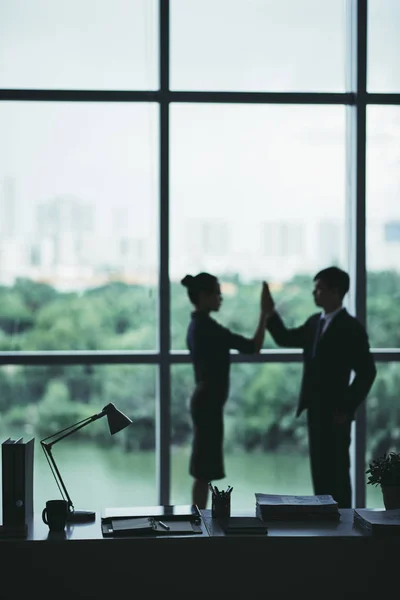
(65, 248)
(244, 164)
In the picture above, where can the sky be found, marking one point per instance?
(242, 163)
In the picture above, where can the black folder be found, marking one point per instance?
(243, 526)
(148, 526)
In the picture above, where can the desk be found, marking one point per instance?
(330, 560)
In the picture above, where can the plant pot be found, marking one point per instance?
(391, 496)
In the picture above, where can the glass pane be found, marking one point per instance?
(383, 225)
(266, 447)
(90, 44)
(99, 470)
(257, 192)
(383, 422)
(78, 223)
(262, 45)
(383, 46)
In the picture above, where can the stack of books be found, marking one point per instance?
(377, 521)
(275, 507)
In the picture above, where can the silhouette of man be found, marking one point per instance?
(335, 346)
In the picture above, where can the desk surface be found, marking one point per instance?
(38, 531)
(295, 559)
(341, 528)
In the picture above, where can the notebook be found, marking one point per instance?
(378, 521)
(243, 525)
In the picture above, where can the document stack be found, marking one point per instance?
(275, 507)
(378, 521)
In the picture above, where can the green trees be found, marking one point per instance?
(383, 316)
(117, 316)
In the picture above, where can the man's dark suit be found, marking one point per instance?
(327, 389)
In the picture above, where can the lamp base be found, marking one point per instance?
(81, 516)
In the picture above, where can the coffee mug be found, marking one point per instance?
(55, 514)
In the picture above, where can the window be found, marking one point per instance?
(143, 140)
(98, 469)
(383, 231)
(383, 46)
(383, 409)
(253, 179)
(92, 45)
(266, 445)
(78, 223)
(257, 46)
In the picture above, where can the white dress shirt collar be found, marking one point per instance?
(327, 317)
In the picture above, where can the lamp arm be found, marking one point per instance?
(47, 449)
(57, 475)
(72, 428)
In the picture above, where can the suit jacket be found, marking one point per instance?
(342, 349)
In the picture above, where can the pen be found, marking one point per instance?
(164, 525)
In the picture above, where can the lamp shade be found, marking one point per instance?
(116, 419)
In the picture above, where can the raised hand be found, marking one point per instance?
(267, 302)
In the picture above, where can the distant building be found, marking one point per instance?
(8, 208)
(330, 242)
(392, 232)
(61, 224)
(383, 245)
(208, 237)
(64, 214)
(282, 238)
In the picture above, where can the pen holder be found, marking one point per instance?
(220, 505)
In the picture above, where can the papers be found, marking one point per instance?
(283, 507)
(135, 525)
(378, 521)
(296, 502)
(177, 527)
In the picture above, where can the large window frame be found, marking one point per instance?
(356, 100)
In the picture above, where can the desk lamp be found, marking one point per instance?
(116, 422)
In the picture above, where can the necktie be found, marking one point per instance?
(318, 333)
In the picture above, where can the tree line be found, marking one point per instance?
(118, 316)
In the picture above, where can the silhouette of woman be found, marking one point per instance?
(209, 344)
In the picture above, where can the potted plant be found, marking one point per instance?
(385, 471)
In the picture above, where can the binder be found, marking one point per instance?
(17, 481)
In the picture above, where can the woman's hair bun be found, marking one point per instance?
(187, 280)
